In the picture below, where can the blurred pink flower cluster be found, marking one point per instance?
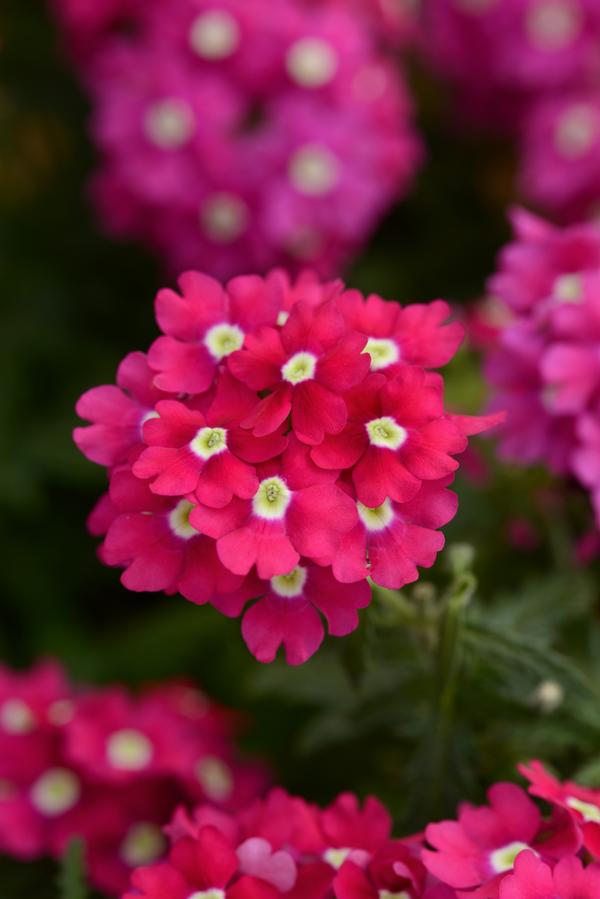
(282, 846)
(234, 135)
(530, 68)
(109, 767)
(281, 442)
(543, 348)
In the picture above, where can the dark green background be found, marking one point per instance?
(367, 712)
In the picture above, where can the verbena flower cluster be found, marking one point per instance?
(282, 846)
(530, 67)
(543, 358)
(109, 767)
(227, 129)
(281, 442)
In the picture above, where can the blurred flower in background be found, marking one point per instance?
(227, 131)
(529, 69)
(109, 767)
(544, 364)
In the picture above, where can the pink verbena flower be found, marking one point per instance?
(296, 511)
(418, 334)
(303, 446)
(545, 366)
(110, 768)
(478, 849)
(582, 803)
(287, 611)
(306, 367)
(559, 167)
(205, 867)
(204, 325)
(501, 55)
(533, 879)
(396, 537)
(227, 130)
(117, 413)
(394, 870)
(397, 436)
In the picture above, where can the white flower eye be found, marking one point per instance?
(214, 35)
(224, 217)
(169, 124)
(314, 170)
(55, 792)
(179, 520)
(271, 499)
(312, 62)
(215, 778)
(300, 367)
(386, 433)
(504, 859)
(129, 750)
(290, 585)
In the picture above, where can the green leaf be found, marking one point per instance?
(71, 878)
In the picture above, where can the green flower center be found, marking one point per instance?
(386, 433)
(224, 218)
(311, 62)
(383, 352)
(55, 792)
(223, 339)
(214, 35)
(169, 124)
(589, 811)
(314, 170)
(376, 519)
(577, 131)
(209, 442)
(290, 585)
(179, 520)
(143, 844)
(208, 894)
(271, 499)
(301, 367)
(336, 856)
(16, 717)
(129, 750)
(503, 859)
(215, 778)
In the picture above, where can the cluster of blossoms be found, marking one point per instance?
(109, 767)
(282, 846)
(281, 442)
(532, 68)
(543, 348)
(227, 128)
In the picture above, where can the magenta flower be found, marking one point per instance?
(109, 768)
(296, 511)
(118, 413)
(299, 451)
(205, 325)
(287, 613)
(397, 436)
(559, 154)
(415, 335)
(545, 364)
(226, 131)
(394, 870)
(389, 541)
(192, 453)
(533, 879)
(152, 537)
(306, 366)
(481, 847)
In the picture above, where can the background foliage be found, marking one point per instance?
(439, 691)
